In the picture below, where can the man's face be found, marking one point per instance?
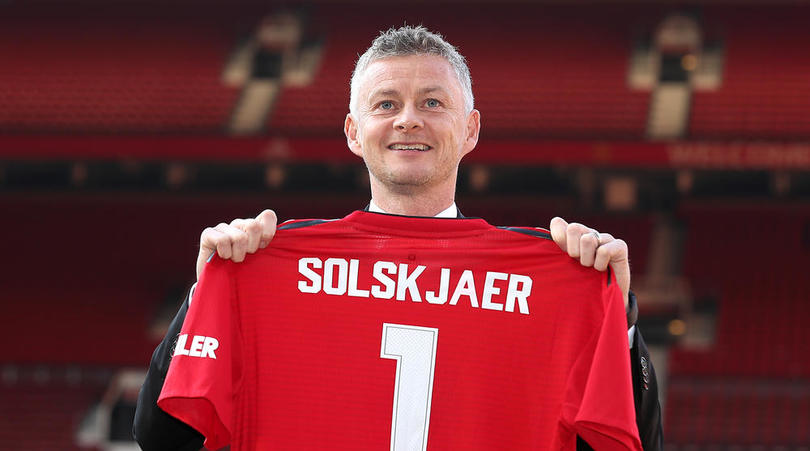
(409, 122)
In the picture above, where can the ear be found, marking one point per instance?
(352, 135)
(473, 128)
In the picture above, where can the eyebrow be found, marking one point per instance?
(383, 93)
(394, 92)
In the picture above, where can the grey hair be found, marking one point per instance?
(409, 40)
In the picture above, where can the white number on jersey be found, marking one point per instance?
(414, 349)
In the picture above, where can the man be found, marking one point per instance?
(412, 120)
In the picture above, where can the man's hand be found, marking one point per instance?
(594, 249)
(233, 241)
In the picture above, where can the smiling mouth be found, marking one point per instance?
(413, 147)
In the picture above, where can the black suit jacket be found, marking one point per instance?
(156, 430)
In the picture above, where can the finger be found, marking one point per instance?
(615, 254)
(231, 244)
(239, 223)
(208, 240)
(557, 229)
(603, 252)
(253, 230)
(236, 241)
(611, 253)
(269, 222)
(588, 243)
(572, 235)
(216, 240)
(603, 255)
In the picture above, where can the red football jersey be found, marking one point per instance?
(378, 331)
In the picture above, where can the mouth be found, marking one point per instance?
(414, 147)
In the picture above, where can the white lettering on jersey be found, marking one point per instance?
(444, 285)
(388, 282)
(514, 293)
(342, 277)
(408, 282)
(328, 273)
(201, 346)
(315, 278)
(465, 287)
(354, 264)
(491, 290)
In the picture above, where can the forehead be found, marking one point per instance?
(411, 72)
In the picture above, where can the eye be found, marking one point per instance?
(432, 103)
(386, 105)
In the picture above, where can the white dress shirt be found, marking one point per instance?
(449, 212)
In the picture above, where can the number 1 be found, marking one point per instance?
(414, 349)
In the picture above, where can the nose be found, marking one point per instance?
(408, 119)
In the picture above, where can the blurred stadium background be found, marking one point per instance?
(126, 127)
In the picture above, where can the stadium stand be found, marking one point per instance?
(532, 86)
(537, 88)
(136, 74)
(114, 296)
(754, 414)
(750, 387)
(42, 409)
(131, 73)
(760, 329)
(321, 107)
(765, 92)
(118, 72)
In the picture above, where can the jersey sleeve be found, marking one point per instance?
(599, 397)
(205, 367)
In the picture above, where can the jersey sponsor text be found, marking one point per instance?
(201, 346)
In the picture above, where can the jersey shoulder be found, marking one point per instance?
(338, 224)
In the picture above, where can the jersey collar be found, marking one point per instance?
(418, 225)
(449, 212)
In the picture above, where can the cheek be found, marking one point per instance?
(454, 133)
(456, 126)
(373, 133)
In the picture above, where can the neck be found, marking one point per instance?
(412, 202)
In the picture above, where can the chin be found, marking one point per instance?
(406, 181)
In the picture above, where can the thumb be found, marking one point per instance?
(269, 221)
(621, 269)
(557, 228)
(205, 253)
(208, 247)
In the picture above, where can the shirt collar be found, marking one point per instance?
(449, 212)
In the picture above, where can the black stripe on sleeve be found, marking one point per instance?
(530, 232)
(298, 225)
